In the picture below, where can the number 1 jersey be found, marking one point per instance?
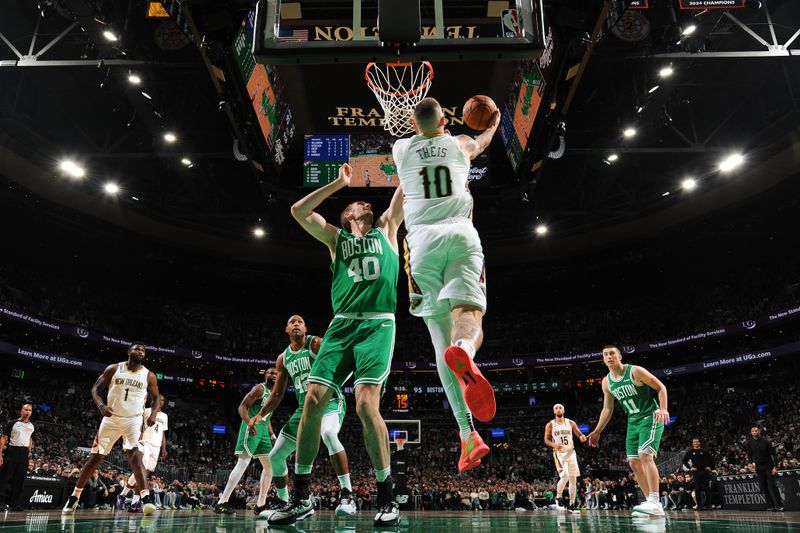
(434, 175)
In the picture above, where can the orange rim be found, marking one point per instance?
(424, 85)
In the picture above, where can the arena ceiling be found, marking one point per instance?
(733, 89)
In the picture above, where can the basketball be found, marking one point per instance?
(477, 112)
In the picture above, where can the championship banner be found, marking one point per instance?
(711, 4)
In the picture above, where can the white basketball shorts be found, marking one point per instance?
(567, 464)
(445, 267)
(112, 428)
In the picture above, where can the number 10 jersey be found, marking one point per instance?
(434, 175)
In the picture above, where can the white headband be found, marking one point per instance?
(558, 405)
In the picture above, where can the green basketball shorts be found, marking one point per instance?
(644, 436)
(289, 429)
(359, 347)
(258, 445)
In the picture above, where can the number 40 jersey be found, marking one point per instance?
(434, 175)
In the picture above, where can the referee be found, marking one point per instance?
(17, 435)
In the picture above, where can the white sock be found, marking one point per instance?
(652, 497)
(344, 482)
(234, 478)
(439, 328)
(467, 345)
(135, 499)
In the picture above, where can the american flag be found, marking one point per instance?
(293, 36)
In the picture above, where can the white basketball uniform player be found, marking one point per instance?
(566, 460)
(152, 437)
(127, 393)
(443, 249)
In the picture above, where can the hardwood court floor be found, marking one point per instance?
(416, 522)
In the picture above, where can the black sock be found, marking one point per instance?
(301, 485)
(385, 491)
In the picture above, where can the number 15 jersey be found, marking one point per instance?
(434, 174)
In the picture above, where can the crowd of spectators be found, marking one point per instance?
(518, 473)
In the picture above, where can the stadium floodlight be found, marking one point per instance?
(666, 72)
(688, 184)
(134, 79)
(731, 162)
(613, 157)
(111, 188)
(258, 232)
(72, 169)
(170, 137)
(541, 229)
(110, 36)
(629, 132)
(688, 30)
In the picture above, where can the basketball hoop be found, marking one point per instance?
(400, 441)
(399, 87)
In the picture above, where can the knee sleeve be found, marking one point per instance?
(330, 433)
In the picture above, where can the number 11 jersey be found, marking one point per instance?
(434, 175)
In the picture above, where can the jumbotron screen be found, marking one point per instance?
(370, 155)
(266, 94)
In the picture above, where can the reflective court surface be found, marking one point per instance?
(595, 522)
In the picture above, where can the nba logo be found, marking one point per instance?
(510, 23)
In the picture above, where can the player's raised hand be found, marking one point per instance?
(662, 415)
(495, 119)
(594, 438)
(345, 174)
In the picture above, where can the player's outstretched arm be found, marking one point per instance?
(475, 147)
(605, 415)
(155, 398)
(311, 221)
(577, 432)
(391, 219)
(276, 395)
(641, 375)
(102, 382)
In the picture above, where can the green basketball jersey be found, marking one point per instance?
(254, 409)
(636, 400)
(298, 365)
(365, 271)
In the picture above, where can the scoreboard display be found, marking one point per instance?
(322, 157)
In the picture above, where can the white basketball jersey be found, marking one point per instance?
(128, 391)
(153, 434)
(562, 434)
(434, 175)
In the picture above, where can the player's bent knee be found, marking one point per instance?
(317, 397)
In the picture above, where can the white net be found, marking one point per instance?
(399, 87)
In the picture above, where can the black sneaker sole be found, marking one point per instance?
(389, 523)
(289, 520)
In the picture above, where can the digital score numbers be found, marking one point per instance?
(322, 157)
(402, 402)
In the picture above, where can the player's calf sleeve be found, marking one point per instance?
(439, 328)
(281, 451)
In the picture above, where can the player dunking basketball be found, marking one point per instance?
(633, 388)
(445, 262)
(294, 365)
(254, 440)
(129, 385)
(558, 435)
(359, 341)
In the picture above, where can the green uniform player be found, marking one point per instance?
(293, 366)
(254, 440)
(633, 387)
(359, 341)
